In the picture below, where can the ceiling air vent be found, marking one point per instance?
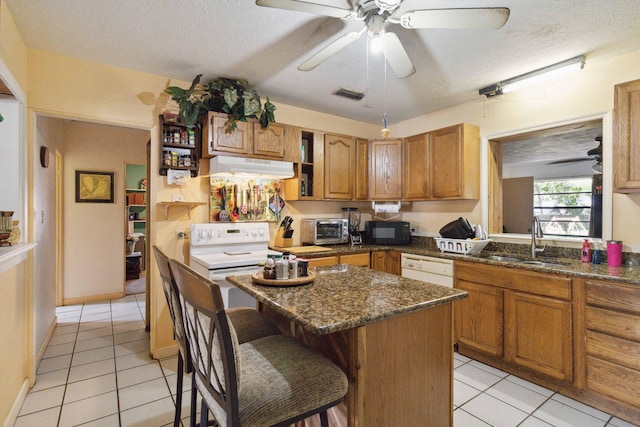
(348, 93)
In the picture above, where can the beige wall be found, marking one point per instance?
(582, 94)
(94, 233)
(16, 308)
(13, 336)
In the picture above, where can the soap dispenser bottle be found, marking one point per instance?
(585, 253)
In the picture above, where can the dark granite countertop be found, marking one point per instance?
(568, 266)
(344, 296)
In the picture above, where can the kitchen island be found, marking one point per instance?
(392, 336)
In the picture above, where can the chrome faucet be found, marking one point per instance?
(536, 232)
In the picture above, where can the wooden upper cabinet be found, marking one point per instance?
(219, 141)
(361, 190)
(269, 141)
(454, 162)
(249, 139)
(386, 170)
(626, 138)
(416, 167)
(339, 166)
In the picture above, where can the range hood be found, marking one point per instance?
(243, 167)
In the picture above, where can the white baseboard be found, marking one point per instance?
(17, 404)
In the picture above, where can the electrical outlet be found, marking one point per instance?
(180, 234)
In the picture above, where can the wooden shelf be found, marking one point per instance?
(188, 205)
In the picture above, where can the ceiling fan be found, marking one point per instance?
(377, 13)
(595, 154)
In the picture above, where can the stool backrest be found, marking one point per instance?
(212, 340)
(175, 308)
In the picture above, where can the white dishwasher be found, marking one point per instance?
(434, 270)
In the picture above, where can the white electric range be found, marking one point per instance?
(222, 249)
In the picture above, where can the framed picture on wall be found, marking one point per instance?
(94, 187)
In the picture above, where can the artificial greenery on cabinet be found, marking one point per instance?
(221, 95)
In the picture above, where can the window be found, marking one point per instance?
(564, 206)
(554, 154)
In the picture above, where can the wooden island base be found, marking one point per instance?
(400, 369)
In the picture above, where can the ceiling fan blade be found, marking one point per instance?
(303, 6)
(397, 57)
(330, 50)
(573, 160)
(490, 18)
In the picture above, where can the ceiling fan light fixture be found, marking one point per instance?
(388, 5)
(597, 167)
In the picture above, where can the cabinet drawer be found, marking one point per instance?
(622, 325)
(532, 282)
(618, 350)
(325, 260)
(614, 295)
(613, 380)
(356, 259)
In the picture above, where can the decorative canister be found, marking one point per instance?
(614, 253)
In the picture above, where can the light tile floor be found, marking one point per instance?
(97, 372)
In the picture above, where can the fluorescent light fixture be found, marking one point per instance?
(533, 77)
(240, 167)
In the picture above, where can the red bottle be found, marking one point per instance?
(585, 254)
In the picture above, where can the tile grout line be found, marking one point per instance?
(115, 365)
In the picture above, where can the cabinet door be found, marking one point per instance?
(339, 166)
(626, 138)
(478, 318)
(218, 140)
(416, 168)
(269, 141)
(538, 334)
(445, 161)
(377, 260)
(386, 170)
(392, 263)
(362, 170)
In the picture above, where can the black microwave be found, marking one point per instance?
(387, 233)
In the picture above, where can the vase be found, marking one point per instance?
(130, 247)
(14, 238)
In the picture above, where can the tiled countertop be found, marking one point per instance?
(570, 266)
(345, 297)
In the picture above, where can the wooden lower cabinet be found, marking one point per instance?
(387, 261)
(520, 316)
(575, 336)
(612, 336)
(361, 259)
(538, 334)
(325, 260)
(478, 318)
(400, 369)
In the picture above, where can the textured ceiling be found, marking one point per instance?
(236, 38)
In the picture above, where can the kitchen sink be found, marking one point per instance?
(543, 263)
(503, 258)
(506, 258)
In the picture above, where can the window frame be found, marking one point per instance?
(491, 176)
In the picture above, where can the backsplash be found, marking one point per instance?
(232, 199)
(524, 251)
